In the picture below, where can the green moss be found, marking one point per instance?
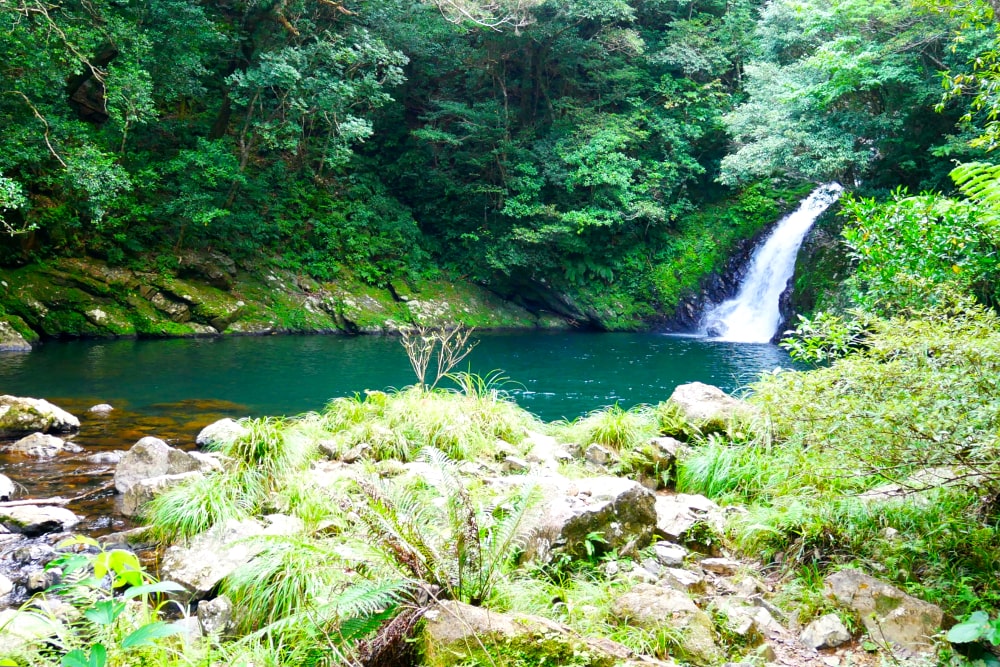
(533, 650)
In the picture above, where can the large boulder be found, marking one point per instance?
(144, 490)
(707, 407)
(620, 511)
(653, 607)
(34, 520)
(455, 634)
(209, 557)
(889, 614)
(21, 416)
(151, 457)
(7, 488)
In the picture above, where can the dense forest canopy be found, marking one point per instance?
(523, 142)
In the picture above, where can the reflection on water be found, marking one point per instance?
(173, 388)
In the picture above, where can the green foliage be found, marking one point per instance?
(825, 337)
(915, 251)
(460, 544)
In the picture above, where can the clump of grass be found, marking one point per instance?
(613, 427)
(464, 423)
(671, 422)
(185, 510)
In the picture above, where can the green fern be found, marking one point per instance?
(980, 182)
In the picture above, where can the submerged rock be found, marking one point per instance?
(889, 614)
(101, 409)
(21, 416)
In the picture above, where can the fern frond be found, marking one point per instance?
(980, 182)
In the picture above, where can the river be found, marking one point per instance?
(172, 388)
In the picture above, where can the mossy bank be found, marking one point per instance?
(208, 295)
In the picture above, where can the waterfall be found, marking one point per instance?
(753, 315)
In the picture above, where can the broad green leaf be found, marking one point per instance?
(105, 612)
(98, 655)
(970, 630)
(75, 658)
(148, 634)
(158, 587)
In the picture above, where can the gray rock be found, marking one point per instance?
(11, 340)
(707, 407)
(42, 579)
(40, 554)
(151, 457)
(216, 616)
(222, 432)
(6, 586)
(544, 450)
(144, 490)
(746, 620)
(39, 445)
(34, 520)
(113, 456)
(677, 514)
(201, 564)
(653, 607)
(620, 510)
(100, 409)
(671, 555)
(825, 632)
(889, 614)
(7, 488)
(21, 416)
(513, 464)
(598, 454)
(683, 580)
(726, 567)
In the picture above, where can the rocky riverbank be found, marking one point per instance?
(209, 295)
(646, 574)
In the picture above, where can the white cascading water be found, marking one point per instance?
(753, 315)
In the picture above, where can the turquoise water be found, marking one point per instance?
(171, 389)
(554, 375)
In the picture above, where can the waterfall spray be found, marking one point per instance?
(753, 315)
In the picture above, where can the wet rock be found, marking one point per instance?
(677, 514)
(825, 632)
(707, 407)
(144, 490)
(201, 564)
(39, 445)
(216, 616)
(40, 580)
(114, 456)
(889, 614)
(222, 432)
(653, 607)
(39, 554)
(7, 488)
(34, 520)
(21, 416)
(11, 340)
(100, 409)
(455, 634)
(151, 457)
(620, 510)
